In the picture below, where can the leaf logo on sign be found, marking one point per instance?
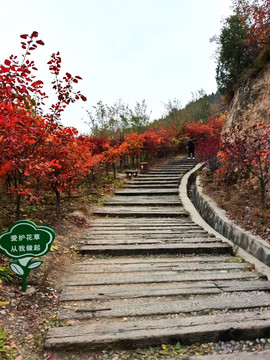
(22, 242)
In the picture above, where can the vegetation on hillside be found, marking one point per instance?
(198, 109)
(243, 45)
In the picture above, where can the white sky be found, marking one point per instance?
(130, 49)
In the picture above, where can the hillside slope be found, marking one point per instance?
(251, 102)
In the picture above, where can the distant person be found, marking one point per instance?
(191, 148)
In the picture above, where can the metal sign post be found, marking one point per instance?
(22, 242)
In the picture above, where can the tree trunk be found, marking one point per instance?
(58, 203)
(18, 206)
(137, 160)
(263, 193)
(122, 164)
(90, 181)
(114, 171)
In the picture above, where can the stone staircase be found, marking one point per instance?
(159, 278)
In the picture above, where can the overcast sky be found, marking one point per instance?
(130, 49)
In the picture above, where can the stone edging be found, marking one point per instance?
(218, 221)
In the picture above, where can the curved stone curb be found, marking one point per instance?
(213, 219)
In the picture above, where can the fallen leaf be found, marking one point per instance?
(4, 303)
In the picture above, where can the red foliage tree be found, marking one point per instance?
(248, 148)
(207, 139)
(256, 14)
(151, 142)
(70, 158)
(132, 146)
(26, 154)
(63, 88)
(22, 138)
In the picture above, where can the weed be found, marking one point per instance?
(74, 249)
(5, 353)
(39, 337)
(237, 259)
(165, 350)
(103, 256)
(53, 321)
(5, 274)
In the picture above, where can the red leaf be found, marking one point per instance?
(7, 62)
(24, 36)
(40, 42)
(68, 76)
(83, 98)
(34, 34)
(36, 83)
(4, 69)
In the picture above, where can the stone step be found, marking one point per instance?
(160, 306)
(133, 241)
(76, 293)
(186, 330)
(166, 248)
(167, 172)
(150, 192)
(146, 211)
(148, 232)
(152, 186)
(156, 178)
(147, 181)
(121, 261)
(165, 276)
(98, 292)
(162, 175)
(191, 236)
(155, 222)
(144, 200)
(158, 267)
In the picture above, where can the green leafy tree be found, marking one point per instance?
(172, 111)
(139, 117)
(233, 55)
(199, 107)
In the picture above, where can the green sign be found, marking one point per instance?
(22, 242)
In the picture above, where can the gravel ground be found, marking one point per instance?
(172, 352)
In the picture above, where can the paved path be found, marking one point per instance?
(166, 279)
